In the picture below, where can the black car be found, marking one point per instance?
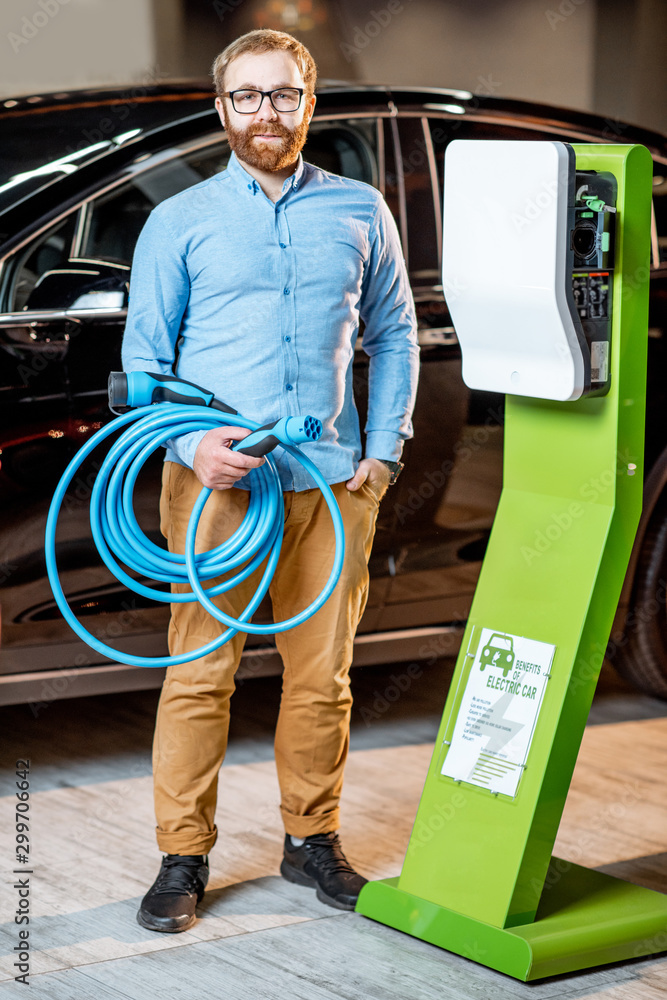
(80, 173)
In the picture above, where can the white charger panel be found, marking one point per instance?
(505, 266)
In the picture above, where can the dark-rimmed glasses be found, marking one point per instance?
(248, 102)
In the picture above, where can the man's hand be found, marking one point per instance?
(215, 465)
(371, 471)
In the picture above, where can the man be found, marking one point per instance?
(255, 281)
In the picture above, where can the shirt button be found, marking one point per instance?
(249, 187)
(288, 387)
(288, 339)
(286, 291)
(282, 246)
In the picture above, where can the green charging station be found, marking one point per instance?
(479, 878)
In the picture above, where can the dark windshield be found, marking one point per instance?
(38, 144)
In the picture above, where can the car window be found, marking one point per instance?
(36, 135)
(114, 220)
(422, 201)
(347, 147)
(392, 189)
(443, 130)
(49, 251)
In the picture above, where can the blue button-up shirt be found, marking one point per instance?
(260, 303)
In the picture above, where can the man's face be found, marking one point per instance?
(267, 139)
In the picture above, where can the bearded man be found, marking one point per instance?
(253, 284)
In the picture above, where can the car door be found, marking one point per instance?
(59, 293)
(434, 523)
(63, 311)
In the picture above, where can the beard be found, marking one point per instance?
(274, 156)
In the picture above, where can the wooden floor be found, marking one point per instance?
(257, 935)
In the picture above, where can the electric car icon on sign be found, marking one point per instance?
(498, 652)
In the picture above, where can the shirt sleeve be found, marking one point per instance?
(159, 294)
(390, 340)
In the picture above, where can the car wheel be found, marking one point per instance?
(642, 658)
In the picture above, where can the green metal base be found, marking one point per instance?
(585, 918)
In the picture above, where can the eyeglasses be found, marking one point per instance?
(248, 102)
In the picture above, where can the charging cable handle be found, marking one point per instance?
(130, 390)
(133, 389)
(287, 430)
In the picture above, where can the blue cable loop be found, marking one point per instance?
(119, 538)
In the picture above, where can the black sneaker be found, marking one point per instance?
(320, 862)
(169, 904)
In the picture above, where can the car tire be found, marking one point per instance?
(641, 657)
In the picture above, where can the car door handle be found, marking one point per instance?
(427, 336)
(28, 317)
(433, 336)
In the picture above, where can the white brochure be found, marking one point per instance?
(499, 711)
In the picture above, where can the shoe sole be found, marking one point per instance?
(150, 926)
(299, 877)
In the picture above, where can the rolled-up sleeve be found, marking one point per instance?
(390, 340)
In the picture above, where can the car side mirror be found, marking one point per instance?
(82, 285)
(80, 291)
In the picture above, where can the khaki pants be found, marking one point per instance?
(312, 733)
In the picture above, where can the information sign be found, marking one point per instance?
(499, 710)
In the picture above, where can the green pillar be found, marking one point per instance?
(478, 878)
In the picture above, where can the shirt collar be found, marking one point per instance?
(242, 177)
(297, 177)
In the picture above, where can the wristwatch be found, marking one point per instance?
(394, 467)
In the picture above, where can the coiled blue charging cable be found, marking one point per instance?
(119, 539)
